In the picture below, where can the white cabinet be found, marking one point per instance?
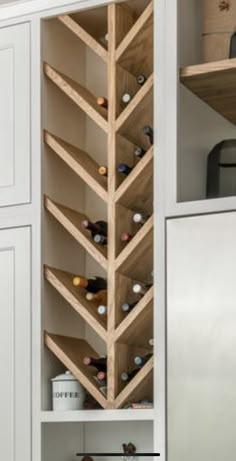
(201, 318)
(15, 115)
(15, 339)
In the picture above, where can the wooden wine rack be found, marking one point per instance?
(129, 53)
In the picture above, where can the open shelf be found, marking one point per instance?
(70, 351)
(71, 220)
(138, 101)
(81, 33)
(140, 179)
(139, 249)
(135, 52)
(62, 282)
(136, 328)
(214, 83)
(82, 97)
(80, 162)
(132, 247)
(141, 384)
(104, 137)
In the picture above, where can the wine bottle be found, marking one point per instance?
(139, 218)
(126, 98)
(140, 288)
(125, 376)
(151, 342)
(126, 237)
(141, 79)
(148, 131)
(100, 296)
(102, 310)
(140, 361)
(102, 102)
(104, 39)
(93, 285)
(100, 239)
(98, 227)
(125, 169)
(103, 170)
(139, 152)
(102, 376)
(100, 364)
(128, 307)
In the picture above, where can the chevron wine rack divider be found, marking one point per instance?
(129, 53)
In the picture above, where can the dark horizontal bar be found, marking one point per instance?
(118, 454)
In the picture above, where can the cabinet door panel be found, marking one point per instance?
(15, 337)
(15, 115)
(201, 338)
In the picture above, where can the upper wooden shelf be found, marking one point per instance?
(70, 351)
(82, 97)
(137, 327)
(81, 33)
(80, 162)
(71, 220)
(136, 191)
(62, 282)
(215, 84)
(135, 52)
(137, 102)
(138, 386)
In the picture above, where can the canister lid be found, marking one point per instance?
(67, 376)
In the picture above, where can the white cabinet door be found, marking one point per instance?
(15, 115)
(201, 338)
(15, 339)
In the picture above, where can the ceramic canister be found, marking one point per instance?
(67, 393)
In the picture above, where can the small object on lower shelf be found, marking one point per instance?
(142, 405)
(221, 170)
(87, 458)
(68, 394)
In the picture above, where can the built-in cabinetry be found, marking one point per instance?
(55, 62)
(15, 333)
(15, 115)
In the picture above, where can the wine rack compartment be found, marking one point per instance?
(109, 214)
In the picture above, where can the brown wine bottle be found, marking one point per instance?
(100, 364)
(98, 227)
(100, 296)
(93, 285)
(103, 170)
